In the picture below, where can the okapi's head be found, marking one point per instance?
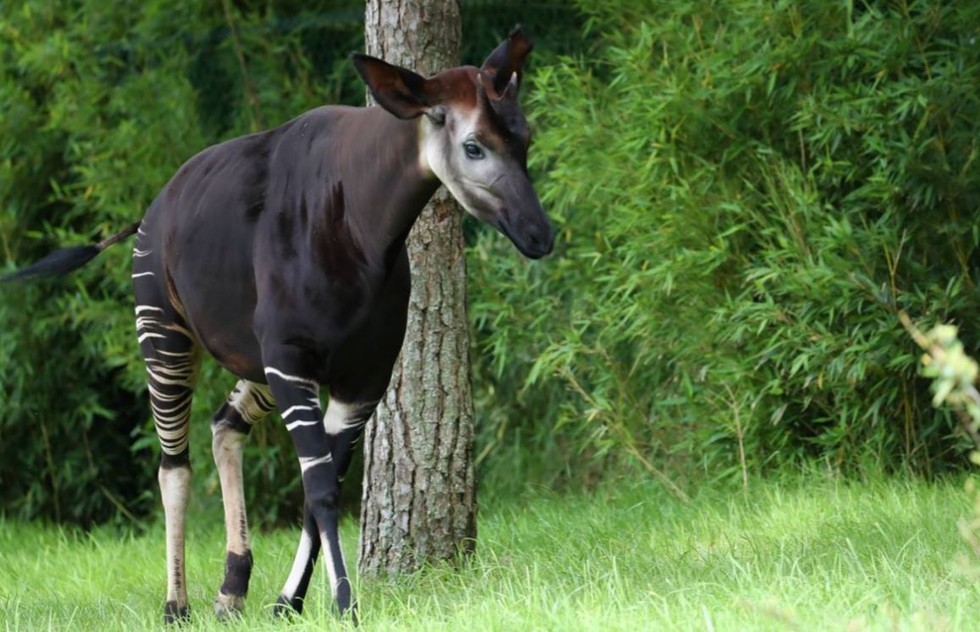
(473, 136)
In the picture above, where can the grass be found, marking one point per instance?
(807, 555)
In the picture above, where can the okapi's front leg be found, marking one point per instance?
(297, 397)
(247, 405)
(293, 594)
(344, 424)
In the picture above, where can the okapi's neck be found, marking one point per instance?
(383, 177)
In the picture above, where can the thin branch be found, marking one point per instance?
(740, 435)
(628, 442)
(118, 504)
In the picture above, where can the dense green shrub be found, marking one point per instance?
(747, 193)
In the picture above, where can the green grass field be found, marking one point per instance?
(807, 556)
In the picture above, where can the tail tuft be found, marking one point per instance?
(56, 263)
(68, 259)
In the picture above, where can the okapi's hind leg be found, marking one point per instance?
(247, 405)
(172, 362)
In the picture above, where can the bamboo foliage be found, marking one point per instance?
(747, 193)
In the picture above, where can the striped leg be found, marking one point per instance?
(171, 366)
(248, 404)
(294, 591)
(298, 401)
(343, 424)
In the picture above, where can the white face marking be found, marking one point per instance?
(469, 181)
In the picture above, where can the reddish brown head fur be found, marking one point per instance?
(474, 136)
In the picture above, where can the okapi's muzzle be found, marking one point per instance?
(527, 226)
(535, 241)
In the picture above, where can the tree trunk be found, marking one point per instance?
(419, 502)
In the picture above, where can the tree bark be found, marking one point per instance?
(419, 502)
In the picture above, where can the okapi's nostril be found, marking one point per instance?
(547, 243)
(539, 243)
(551, 244)
(545, 239)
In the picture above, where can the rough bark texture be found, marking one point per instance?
(419, 502)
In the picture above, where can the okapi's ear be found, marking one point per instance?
(506, 62)
(400, 91)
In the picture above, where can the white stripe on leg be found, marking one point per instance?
(337, 418)
(252, 401)
(306, 462)
(299, 566)
(174, 491)
(328, 561)
(227, 446)
(335, 565)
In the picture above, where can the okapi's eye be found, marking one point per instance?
(473, 151)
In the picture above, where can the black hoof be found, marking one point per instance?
(174, 614)
(284, 608)
(228, 608)
(351, 614)
(345, 604)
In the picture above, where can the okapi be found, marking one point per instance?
(282, 253)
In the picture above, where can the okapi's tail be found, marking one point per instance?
(65, 260)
